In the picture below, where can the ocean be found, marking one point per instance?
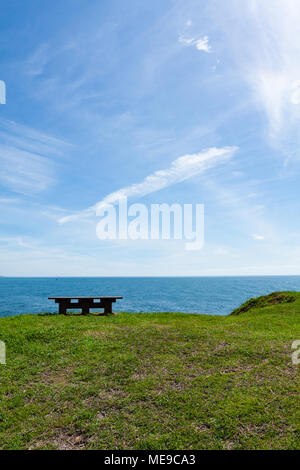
(203, 295)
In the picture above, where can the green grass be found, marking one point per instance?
(152, 381)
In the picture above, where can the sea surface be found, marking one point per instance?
(203, 295)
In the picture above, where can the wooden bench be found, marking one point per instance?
(85, 303)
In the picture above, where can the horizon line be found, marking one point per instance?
(153, 276)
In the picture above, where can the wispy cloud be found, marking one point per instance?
(8, 200)
(265, 45)
(19, 241)
(25, 172)
(26, 158)
(200, 44)
(36, 63)
(256, 236)
(26, 137)
(181, 169)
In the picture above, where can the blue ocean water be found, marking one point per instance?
(204, 295)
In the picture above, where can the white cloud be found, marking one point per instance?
(200, 44)
(186, 41)
(26, 158)
(28, 138)
(36, 63)
(255, 236)
(295, 96)
(266, 47)
(8, 200)
(24, 172)
(181, 169)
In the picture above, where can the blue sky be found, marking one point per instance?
(103, 94)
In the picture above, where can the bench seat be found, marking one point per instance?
(85, 303)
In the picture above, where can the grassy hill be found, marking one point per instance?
(153, 381)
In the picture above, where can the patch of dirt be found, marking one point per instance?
(96, 401)
(181, 386)
(238, 368)
(221, 345)
(100, 415)
(139, 376)
(202, 427)
(64, 440)
(69, 442)
(94, 333)
(248, 429)
(229, 445)
(56, 378)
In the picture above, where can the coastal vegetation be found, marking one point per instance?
(153, 380)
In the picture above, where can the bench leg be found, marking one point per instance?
(107, 308)
(62, 309)
(85, 310)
